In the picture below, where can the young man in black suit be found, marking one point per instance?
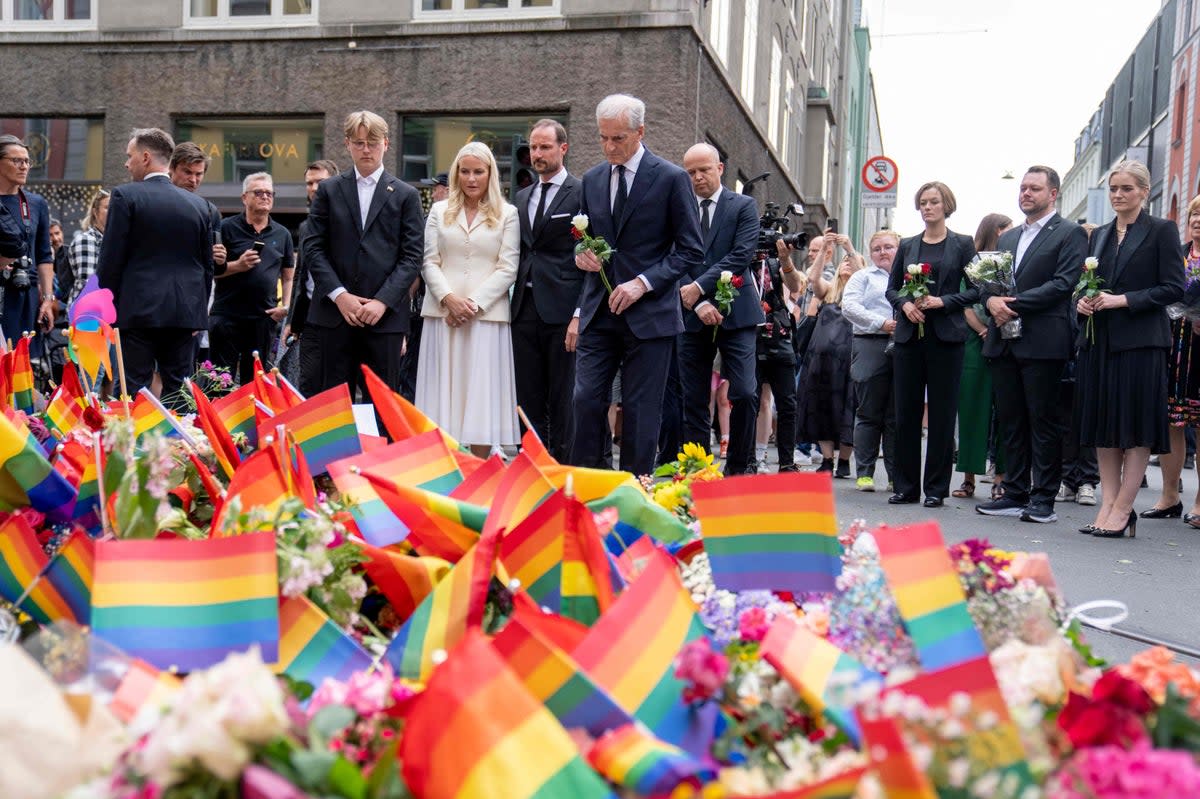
(729, 225)
(363, 248)
(1048, 253)
(157, 259)
(545, 327)
(644, 208)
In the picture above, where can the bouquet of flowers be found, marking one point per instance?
(917, 278)
(596, 244)
(993, 272)
(727, 289)
(1189, 308)
(1089, 286)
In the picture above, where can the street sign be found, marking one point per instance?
(879, 174)
(884, 199)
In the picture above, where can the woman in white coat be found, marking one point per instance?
(465, 377)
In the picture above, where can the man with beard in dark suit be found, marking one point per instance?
(545, 326)
(1048, 254)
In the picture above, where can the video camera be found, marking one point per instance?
(773, 227)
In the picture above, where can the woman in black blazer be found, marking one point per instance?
(929, 365)
(1121, 391)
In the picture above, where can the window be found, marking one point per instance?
(789, 114)
(718, 28)
(1180, 113)
(773, 90)
(749, 52)
(249, 13)
(68, 14)
(433, 10)
(66, 157)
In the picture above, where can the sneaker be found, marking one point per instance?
(1154, 461)
(1086, 495)
(761, 467)
(1001, 507)
(1189, 462)
(1041, 514)
(816, 457)
(802, 459)
(1064, 494)
(787, 468)
(865, 484)
(891, 487)
(843, 470)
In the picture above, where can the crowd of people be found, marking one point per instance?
(624, 309)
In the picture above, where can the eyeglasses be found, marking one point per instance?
(365, 144)
(263, 194)
(19, 162)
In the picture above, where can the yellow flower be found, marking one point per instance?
(670, 495)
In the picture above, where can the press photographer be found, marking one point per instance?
(28, 291)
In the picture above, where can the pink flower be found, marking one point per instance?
(1110, 772)
(753, 625)
(702, 668)
(368, 693)
(330, 692)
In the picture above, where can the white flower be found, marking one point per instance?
(726, 276)
(580, 222)
(1091, 263)
(913, 269)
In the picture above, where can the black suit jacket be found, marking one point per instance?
(298, 308)
(379, 260)
(729, 246)
(947, 323)
(657, 236)
(1046, 278)
(548, 256)
(1148, 270)
(156, 256)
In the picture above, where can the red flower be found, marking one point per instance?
(766, 307)
(737, 281)
(1113, 716)
(1117, 688)
(926, 269)
(576, 233)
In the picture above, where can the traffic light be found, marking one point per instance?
(520, 171)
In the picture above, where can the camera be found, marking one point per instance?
(773, 226)
(16, 274)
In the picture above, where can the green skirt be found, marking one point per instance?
(975, 412)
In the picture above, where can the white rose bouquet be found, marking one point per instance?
(597, 244)
(993, 272)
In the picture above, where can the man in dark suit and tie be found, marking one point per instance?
(545, 328)
(644, 208)
(729, 226)
(157, 259)
(1048, 253)
(363, 248)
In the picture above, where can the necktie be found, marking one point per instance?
(622, 194)
(366, 191)
(705, 224)
(541, 209)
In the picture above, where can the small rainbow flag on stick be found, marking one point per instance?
(522, 489)
(404, 579)
(26, 477)
(400, 417)
(475, 731)
(148, 418)
(324, 427)
(928, 594)
(236, 412)
(772, 532)
(438, 526)
(20, 376)
(67, 403)
(70, 574)
(187, 604)
(480, 486)
(22, 562)
(633, 758)
(313, 648)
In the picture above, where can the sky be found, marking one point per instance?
(970, 89)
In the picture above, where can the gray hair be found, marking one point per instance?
(256, 176)
(622, 106)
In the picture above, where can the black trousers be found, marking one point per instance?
(310, 363)
(875, 416)
(921, 366)
(342, 350)
(232, 343)
(408, 362)
(604, 347)
(781, 377)
(167, 350)
(670, 430)
(697, 352)
(1028, 411)
(545, 374)
(1079, 465)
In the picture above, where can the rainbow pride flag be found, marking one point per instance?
(455, 606)
(70, 574)
(67, 404)
(142, 686)
(400, 417)
(375, 521)
(898, 773)
(404, 579)
(187, 604)
(774, 532)
(634, 759)
(588, 576)
(532, 551)
(839, 786)
(148, 418)
(638, 515)
(324, 427)
(236, 412)
(522, 488)
(823, 675)
(928, 594)
(476, 731)
(439, 526)
(630, 652)
(480, 486)
(313, 648)
(26, 477)
(20, 377)
(21, 561)
(218, 437)
(263, 479)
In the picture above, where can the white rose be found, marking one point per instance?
(913, 269)
(1091, 263)
(726, 276)
(214, 748)
(580, 222)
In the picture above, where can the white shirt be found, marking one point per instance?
(864, 300)
(156, 175)
(631, 168)
(366, 192)
(551, 189)
(1029, 232)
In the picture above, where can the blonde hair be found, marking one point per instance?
(834, 295)
(1193, 206)
(882, 234)
(377, 128)
(1135, 169)
(492, 202)
(89, 219)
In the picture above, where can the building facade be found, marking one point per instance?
(263, 85)
(1184, 172)
(862, 139)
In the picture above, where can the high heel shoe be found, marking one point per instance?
(1130, 525)
(1088, 529)
(1172, 512)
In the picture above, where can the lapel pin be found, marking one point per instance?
(391, 188)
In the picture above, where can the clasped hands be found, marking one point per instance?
(459, 310)
(1101, 302)
(623, 295)
(915, 311)
(359, 311)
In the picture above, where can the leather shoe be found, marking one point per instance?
(1172, 512)
(933, 502)
(900, 499)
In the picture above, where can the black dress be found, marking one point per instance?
(1121, 389)
(825, 410)
(1183, 368)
